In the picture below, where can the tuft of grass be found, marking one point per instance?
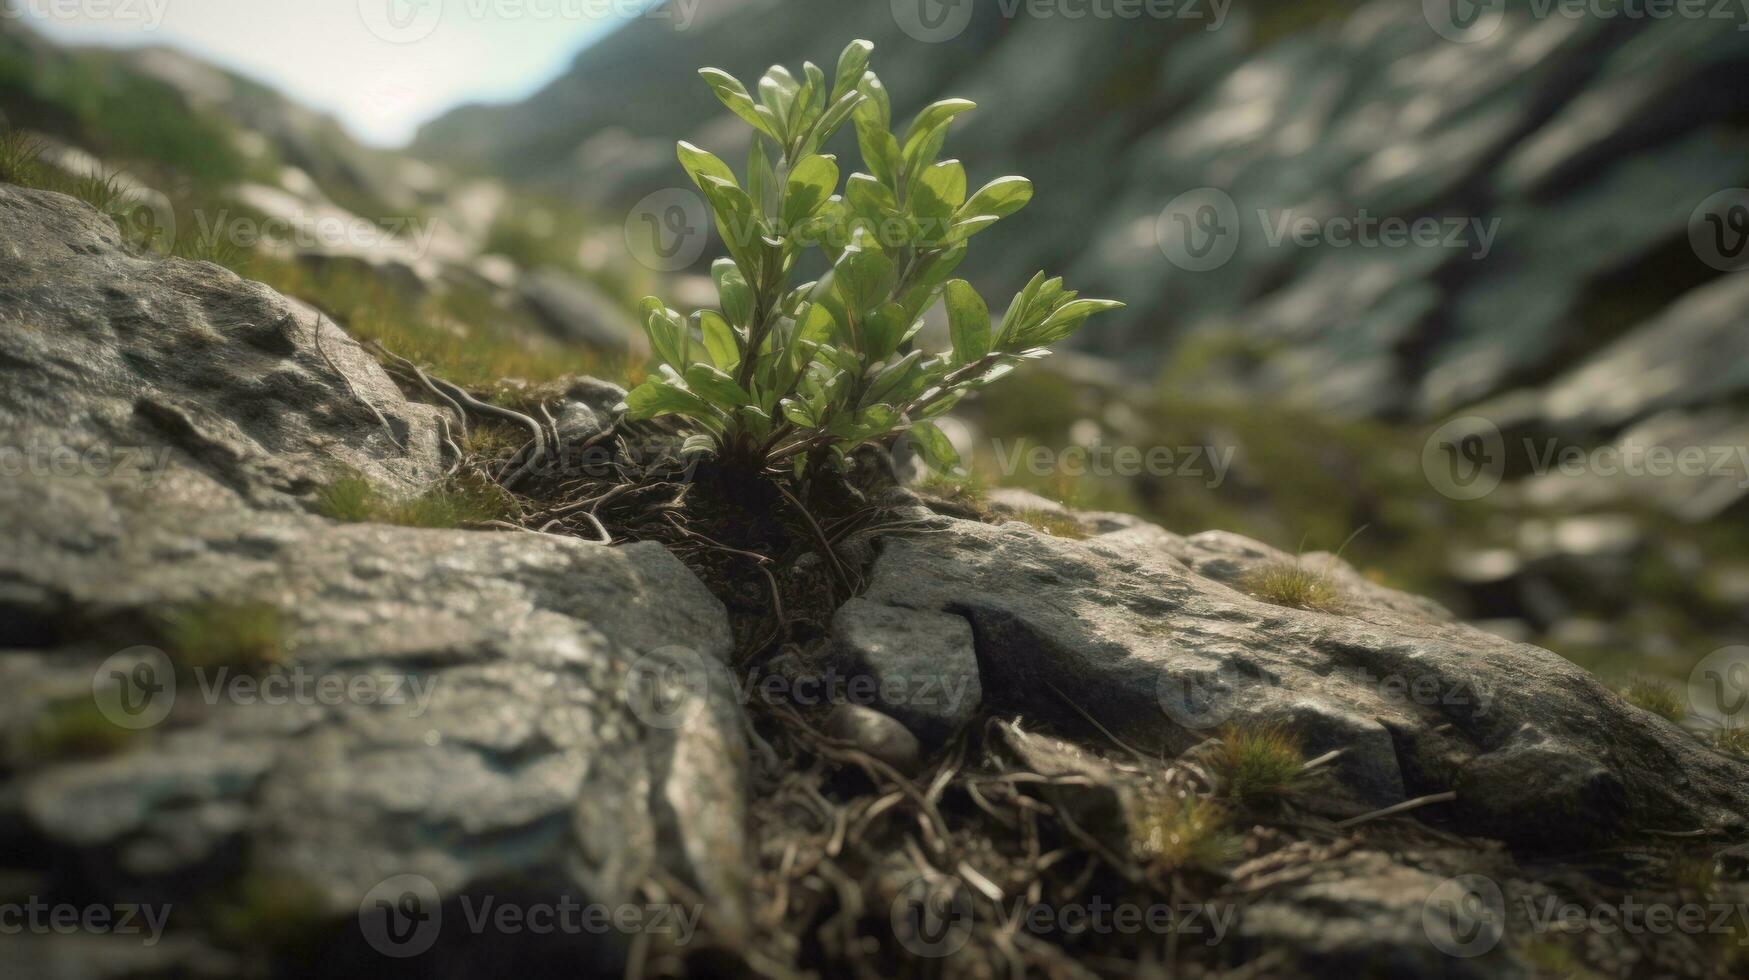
(1732, 740)
(354, 499)
(970, 491)
(1058, 525)
(74, 728)
(243, 635)
(1182, 833)
(1290, 583)
(1260, 766)
(20, 158)
(1655, 696)
(269, 910)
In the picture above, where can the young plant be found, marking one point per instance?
(786, 377)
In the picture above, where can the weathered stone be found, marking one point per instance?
(920, 664)
(880, 735)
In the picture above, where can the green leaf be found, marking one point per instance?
(876, 106)
(862, 278)
(939, 191)
(700, 164)
(935, 448)
(656, 397)
(879, 149)
(963, 229)
(798, 413)
(1067, 319)
(968, 320)
(720, 341)
(810, 185)
(835, 117)
(734, 95)
(1000, 197)
(716, 387)
(884, 330)
(936, 114)
(888, 378)
(851, 64)
(762, 185)
(667, 332)
(733, 293)
(1018, 309)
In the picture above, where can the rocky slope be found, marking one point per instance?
(1560, 163)
(322, 745)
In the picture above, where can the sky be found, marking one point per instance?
(382, 66)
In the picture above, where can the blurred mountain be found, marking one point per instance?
(1555, 163)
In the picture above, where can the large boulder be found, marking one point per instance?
(1156, 638)
(376, 713)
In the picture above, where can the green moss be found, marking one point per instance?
(1655, 696)
(460, 335)
(271, 910)
(354, 499)
(1182, 833)
(73, 728)
(240, 634)
(1260, 766)
(1058, 525)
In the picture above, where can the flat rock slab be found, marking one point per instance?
(1146, 632)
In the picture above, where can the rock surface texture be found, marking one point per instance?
(414, 723)
(454, 703)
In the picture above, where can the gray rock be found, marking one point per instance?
(882, 736)
(474, 708)
(919, 664)
(1143, 630)
(577, 312)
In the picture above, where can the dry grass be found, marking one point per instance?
(1291, 584)
(1058, 525)
(1656, 696)
(1183, 833)
(1260, 766)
